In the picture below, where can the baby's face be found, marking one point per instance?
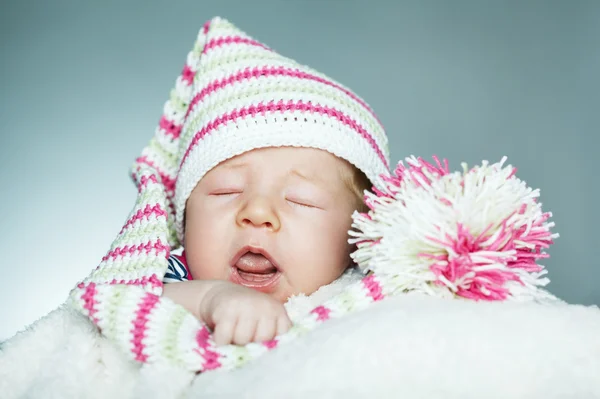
(273, 219)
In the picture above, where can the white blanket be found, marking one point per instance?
(405, 347)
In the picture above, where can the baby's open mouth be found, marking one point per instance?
(254, 268)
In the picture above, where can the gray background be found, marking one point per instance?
(83, 84)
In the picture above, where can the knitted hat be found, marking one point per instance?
(234, 94)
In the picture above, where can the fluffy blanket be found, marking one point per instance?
(410, 346)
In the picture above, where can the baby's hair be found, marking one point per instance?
(357, 183)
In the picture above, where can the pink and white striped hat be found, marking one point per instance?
(234, 95)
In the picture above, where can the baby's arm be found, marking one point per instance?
(189, 294)
(236, 314)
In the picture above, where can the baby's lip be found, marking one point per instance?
(261, 276)
(255, 250)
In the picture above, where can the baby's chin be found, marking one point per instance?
(278, 286)
(283, 291)
(273, 284)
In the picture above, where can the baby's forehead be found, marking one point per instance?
(297, 161)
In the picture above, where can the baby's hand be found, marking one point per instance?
(240, 315)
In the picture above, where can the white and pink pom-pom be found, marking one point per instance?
(476, 234)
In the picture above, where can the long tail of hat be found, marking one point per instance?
(122, 296)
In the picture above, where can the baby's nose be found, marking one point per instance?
(259, 212)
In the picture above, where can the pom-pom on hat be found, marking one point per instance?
(234, 94)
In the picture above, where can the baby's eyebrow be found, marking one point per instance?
(312, 178)
(234, 165)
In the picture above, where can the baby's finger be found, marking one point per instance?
(283, 324)
(223, 332)
(266, 329)
(244, 330)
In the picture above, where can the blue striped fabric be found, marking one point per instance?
(177, 271)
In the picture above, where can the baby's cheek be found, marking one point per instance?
(330, 249)
(207, 265)
(206, 254)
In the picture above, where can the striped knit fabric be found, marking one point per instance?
(234, 94)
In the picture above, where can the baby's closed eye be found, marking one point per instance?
(306, 199)
(298, 202)
(226, 191)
